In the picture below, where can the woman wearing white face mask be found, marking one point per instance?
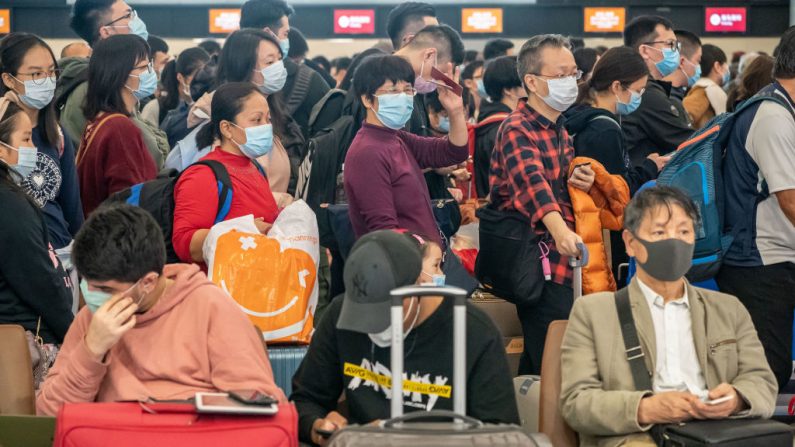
(33, 291)
(29, 75)
(112, 154)
(252, 56)
(241, 123)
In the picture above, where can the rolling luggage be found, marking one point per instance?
(285, 361)
(528, 398)
(134, 424)
(424, 429)
(507, 321)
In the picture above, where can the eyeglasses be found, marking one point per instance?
(673, 45)
(131, 14)
(40, 77)
(410, 91)
(577, 76)
(149, 68)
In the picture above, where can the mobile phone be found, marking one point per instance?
(720, 400)
(252, 397)
(222, 403)
(446, 81)
(325, 434)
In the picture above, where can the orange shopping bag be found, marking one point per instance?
(272, 278)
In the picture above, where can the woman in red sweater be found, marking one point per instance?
(112, 154)
(241, 122)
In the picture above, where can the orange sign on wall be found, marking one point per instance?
(605, 20)
(5, 21)
(224, 21)
(481, 20)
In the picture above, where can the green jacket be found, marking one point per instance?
(598, 397)
(74, 122)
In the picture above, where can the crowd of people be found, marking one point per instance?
(89, 277)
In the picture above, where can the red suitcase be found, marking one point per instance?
(131, 424)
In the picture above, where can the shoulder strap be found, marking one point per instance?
(82, 149)
(607, 118)
(224, 187)
(67, 90)
(300, 89)
(766, 96)
(634, 352)
(496, 118)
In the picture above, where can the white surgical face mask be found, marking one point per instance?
(563, 92)
(383, 339)
(26, 160)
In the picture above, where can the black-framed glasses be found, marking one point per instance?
(673, 45)
(40, 77)
(410, 91)
(576, 75)
(131, 14)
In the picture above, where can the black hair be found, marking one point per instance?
(785, 56)
(8, 124)
(423, 243)
(13, 49)
(601, 49)
(576, 43)
(188, 63)
(341, 63)
(204, 80)
(119, 242)
(432, 102)
(500, 74)
(469, 70)
(298, 44)
(446, 40)
(212, 47)
(88, 16)
(643, 29)
(470, 56)
(649, 199)
(496, 48)
(156, 45)
(403, 15)
(347, 81)
(264, 13)
(375, 71)
(226, 105)
(239, 56)
(109, 70)
(323, 62)
(622, 64)
(711, 54)
(689, 41)
(585, 58)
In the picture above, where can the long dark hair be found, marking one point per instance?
(187, 64)
(622, 64)
(13, 49)
(226, 105)
(109, 69)
(8, 124)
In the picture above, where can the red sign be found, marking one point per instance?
(726, 20)
(354, 21)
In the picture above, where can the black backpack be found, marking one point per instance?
(157, 197)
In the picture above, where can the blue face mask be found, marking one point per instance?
(633, 104)
(670, 61)
(38, 93)
(95, 299)
(444, 124)
(259, 140)
(394, 110)
(138, 27)
(147, 84)
(26, 160)
(691, 81)
(285, 46)
(727, 77)
(482, 89)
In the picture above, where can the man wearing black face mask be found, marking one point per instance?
(700, 346)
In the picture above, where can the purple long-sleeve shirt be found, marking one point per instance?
(384, 182)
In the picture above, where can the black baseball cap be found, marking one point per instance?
(378, 263)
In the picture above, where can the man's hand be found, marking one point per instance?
(659, 160)
(666, 408)
(567, 243)
(332, 422)
(112, 320)
(582, 178)
(723, 410)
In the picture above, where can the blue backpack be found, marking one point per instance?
(696, 168)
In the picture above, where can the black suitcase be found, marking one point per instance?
(729, 433)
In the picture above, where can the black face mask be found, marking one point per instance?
(668, 259)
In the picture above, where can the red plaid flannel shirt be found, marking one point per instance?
(528, 174)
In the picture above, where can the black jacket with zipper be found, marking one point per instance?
(485, 138)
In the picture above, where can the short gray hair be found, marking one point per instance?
(655, 197)
(529, 59)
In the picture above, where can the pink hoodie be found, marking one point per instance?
(194, 339)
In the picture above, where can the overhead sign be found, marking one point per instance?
(354, 21)
(481, 20)
(605, 20)
(224, 21)
(726, 20)
(5, 21)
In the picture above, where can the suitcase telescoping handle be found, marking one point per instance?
(577, 264)
(459, 342)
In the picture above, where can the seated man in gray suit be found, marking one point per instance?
(700, 345)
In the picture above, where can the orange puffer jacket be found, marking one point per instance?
(600, 208)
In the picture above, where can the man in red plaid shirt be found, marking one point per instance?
(529, 169)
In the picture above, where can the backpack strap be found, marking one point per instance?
(66, 91)
(634, 352)
(300, 89)
(605, 118)
(225, 190)
(496, 118)
(81, 151)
